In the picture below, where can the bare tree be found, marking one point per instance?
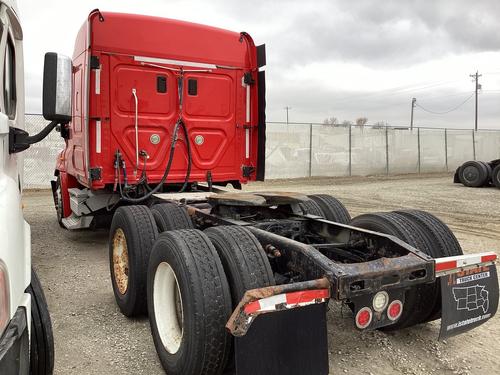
(361, 121)
(346, 123)
(380, 125)
(331, 121)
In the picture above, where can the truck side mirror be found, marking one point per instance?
(57, 88)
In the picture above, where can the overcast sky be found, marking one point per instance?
(347, 59)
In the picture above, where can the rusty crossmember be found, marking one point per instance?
(347, 280)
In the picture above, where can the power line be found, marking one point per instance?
(461, 93)
(448, 111)
(396, 91)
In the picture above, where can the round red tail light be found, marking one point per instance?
(395, 310)
(364, 317)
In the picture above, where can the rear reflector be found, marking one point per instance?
(364, 317)
(395, 310)
(446, 265)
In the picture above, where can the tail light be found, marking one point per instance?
(4, 298)
(380, 301)
(364, 317)
(395, 310)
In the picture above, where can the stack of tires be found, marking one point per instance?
(478, 173)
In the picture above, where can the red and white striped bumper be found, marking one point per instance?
(449, 265)
(287, 301)
(276, 298)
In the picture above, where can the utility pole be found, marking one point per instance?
(478, 87)
(413, 103)
(287, 108)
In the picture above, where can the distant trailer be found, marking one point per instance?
(478, 173)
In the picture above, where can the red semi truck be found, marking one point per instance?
(137, 82)
(164, 114)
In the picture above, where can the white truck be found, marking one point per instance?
(26, 341)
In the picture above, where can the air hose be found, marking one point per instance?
(178, 124)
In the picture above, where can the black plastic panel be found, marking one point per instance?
(161, 84)
(289, 342)
(261, 148)
(261, 55)
(192, 87)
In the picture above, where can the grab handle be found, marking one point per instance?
(134, 92)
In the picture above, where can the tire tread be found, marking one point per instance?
(332, 208)
(170, 216)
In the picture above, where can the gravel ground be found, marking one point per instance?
(92, 337)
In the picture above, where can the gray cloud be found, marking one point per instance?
(389, 32)
(381, 35)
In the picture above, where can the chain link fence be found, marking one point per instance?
(40, 159)
(307, 150)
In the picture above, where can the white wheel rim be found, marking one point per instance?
(169, 313)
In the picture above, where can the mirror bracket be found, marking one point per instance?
(20, 140)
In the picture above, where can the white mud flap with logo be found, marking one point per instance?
(469, 289)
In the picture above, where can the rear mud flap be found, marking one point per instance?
(291, 342)
(469, 299)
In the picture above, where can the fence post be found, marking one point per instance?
(350, 150)
(310, 148)
(418, 142)
(386, 150)
(474, 144)
(446, 148)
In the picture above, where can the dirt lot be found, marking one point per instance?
(92, 337)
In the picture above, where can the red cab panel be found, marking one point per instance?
(136, 76)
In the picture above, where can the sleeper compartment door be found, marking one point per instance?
(155, 90)
(209, 113)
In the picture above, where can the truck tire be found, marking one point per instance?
(473, 174)
(416, 305)
(442, 243)
(189, 304)
(245, 263)
(243, 258)
(332, 208)
(456, 176)
(489, 170)
(170, 216)
(495, 176)
(42, 339)
(310, 207)
(445, 242)
(132, 234)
